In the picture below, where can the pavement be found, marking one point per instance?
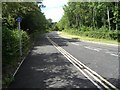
(46, 67)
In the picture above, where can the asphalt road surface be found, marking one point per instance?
(47, 65)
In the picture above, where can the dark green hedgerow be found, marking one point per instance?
(10, 51)
(102, 33)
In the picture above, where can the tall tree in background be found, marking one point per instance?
(93, 14)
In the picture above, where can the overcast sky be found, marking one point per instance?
(54, 9)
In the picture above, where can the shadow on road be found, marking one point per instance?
(42, 41)
(46, 68)
(49, 71)
(115, 82)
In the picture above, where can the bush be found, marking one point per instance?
(11, 44)
(113, 35)
(10, 51)
(102, 33)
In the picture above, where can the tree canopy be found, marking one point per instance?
(32, 17)
(91, 14)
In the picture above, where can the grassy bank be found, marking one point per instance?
(70, 35)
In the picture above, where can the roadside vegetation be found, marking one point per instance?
(91, 20)
(98, 20)
(33, 23)
(85, 38)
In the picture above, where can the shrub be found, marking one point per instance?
(113, 35)
(102, 33)
(10, 51)
(11, 44)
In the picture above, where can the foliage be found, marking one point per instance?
(90, 14)
(55, 27)
(33, 20)
(91, 19)
(102, 33)
(10, 49)
(32, 17)
(11, 44)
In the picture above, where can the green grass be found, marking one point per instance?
(67, 35)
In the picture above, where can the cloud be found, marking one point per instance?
(55, 14)
(54, 3)
(54, 9)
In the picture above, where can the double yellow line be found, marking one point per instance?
(94, 77)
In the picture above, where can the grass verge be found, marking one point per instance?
(67, 35)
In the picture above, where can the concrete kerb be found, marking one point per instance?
(20, 64)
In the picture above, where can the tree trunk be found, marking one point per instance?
(76, 20)
(117, 16)
(93, 18)
(108, 17)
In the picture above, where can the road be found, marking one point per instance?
(51, 64)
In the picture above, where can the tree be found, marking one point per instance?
(91, 14)
(30, 13)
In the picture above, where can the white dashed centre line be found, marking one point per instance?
(114, 55)
(95, 49)
(111, 53)
(75, 43)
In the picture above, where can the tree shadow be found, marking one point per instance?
(43, 41)
(43, 69)
(49, 71)
(75, 39)
(114, 81)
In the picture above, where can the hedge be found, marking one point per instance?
(10, 51)
(102, 33)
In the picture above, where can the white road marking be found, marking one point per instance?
(111, 53)
(95, 49)
(75, 61)
(114, 54)
(88, 47)
(20, 65)
(69, 58)
(75, 43)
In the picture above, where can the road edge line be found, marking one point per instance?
(76, 66)
(87, 67)
(20, 65)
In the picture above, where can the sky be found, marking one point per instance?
(54, 9)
